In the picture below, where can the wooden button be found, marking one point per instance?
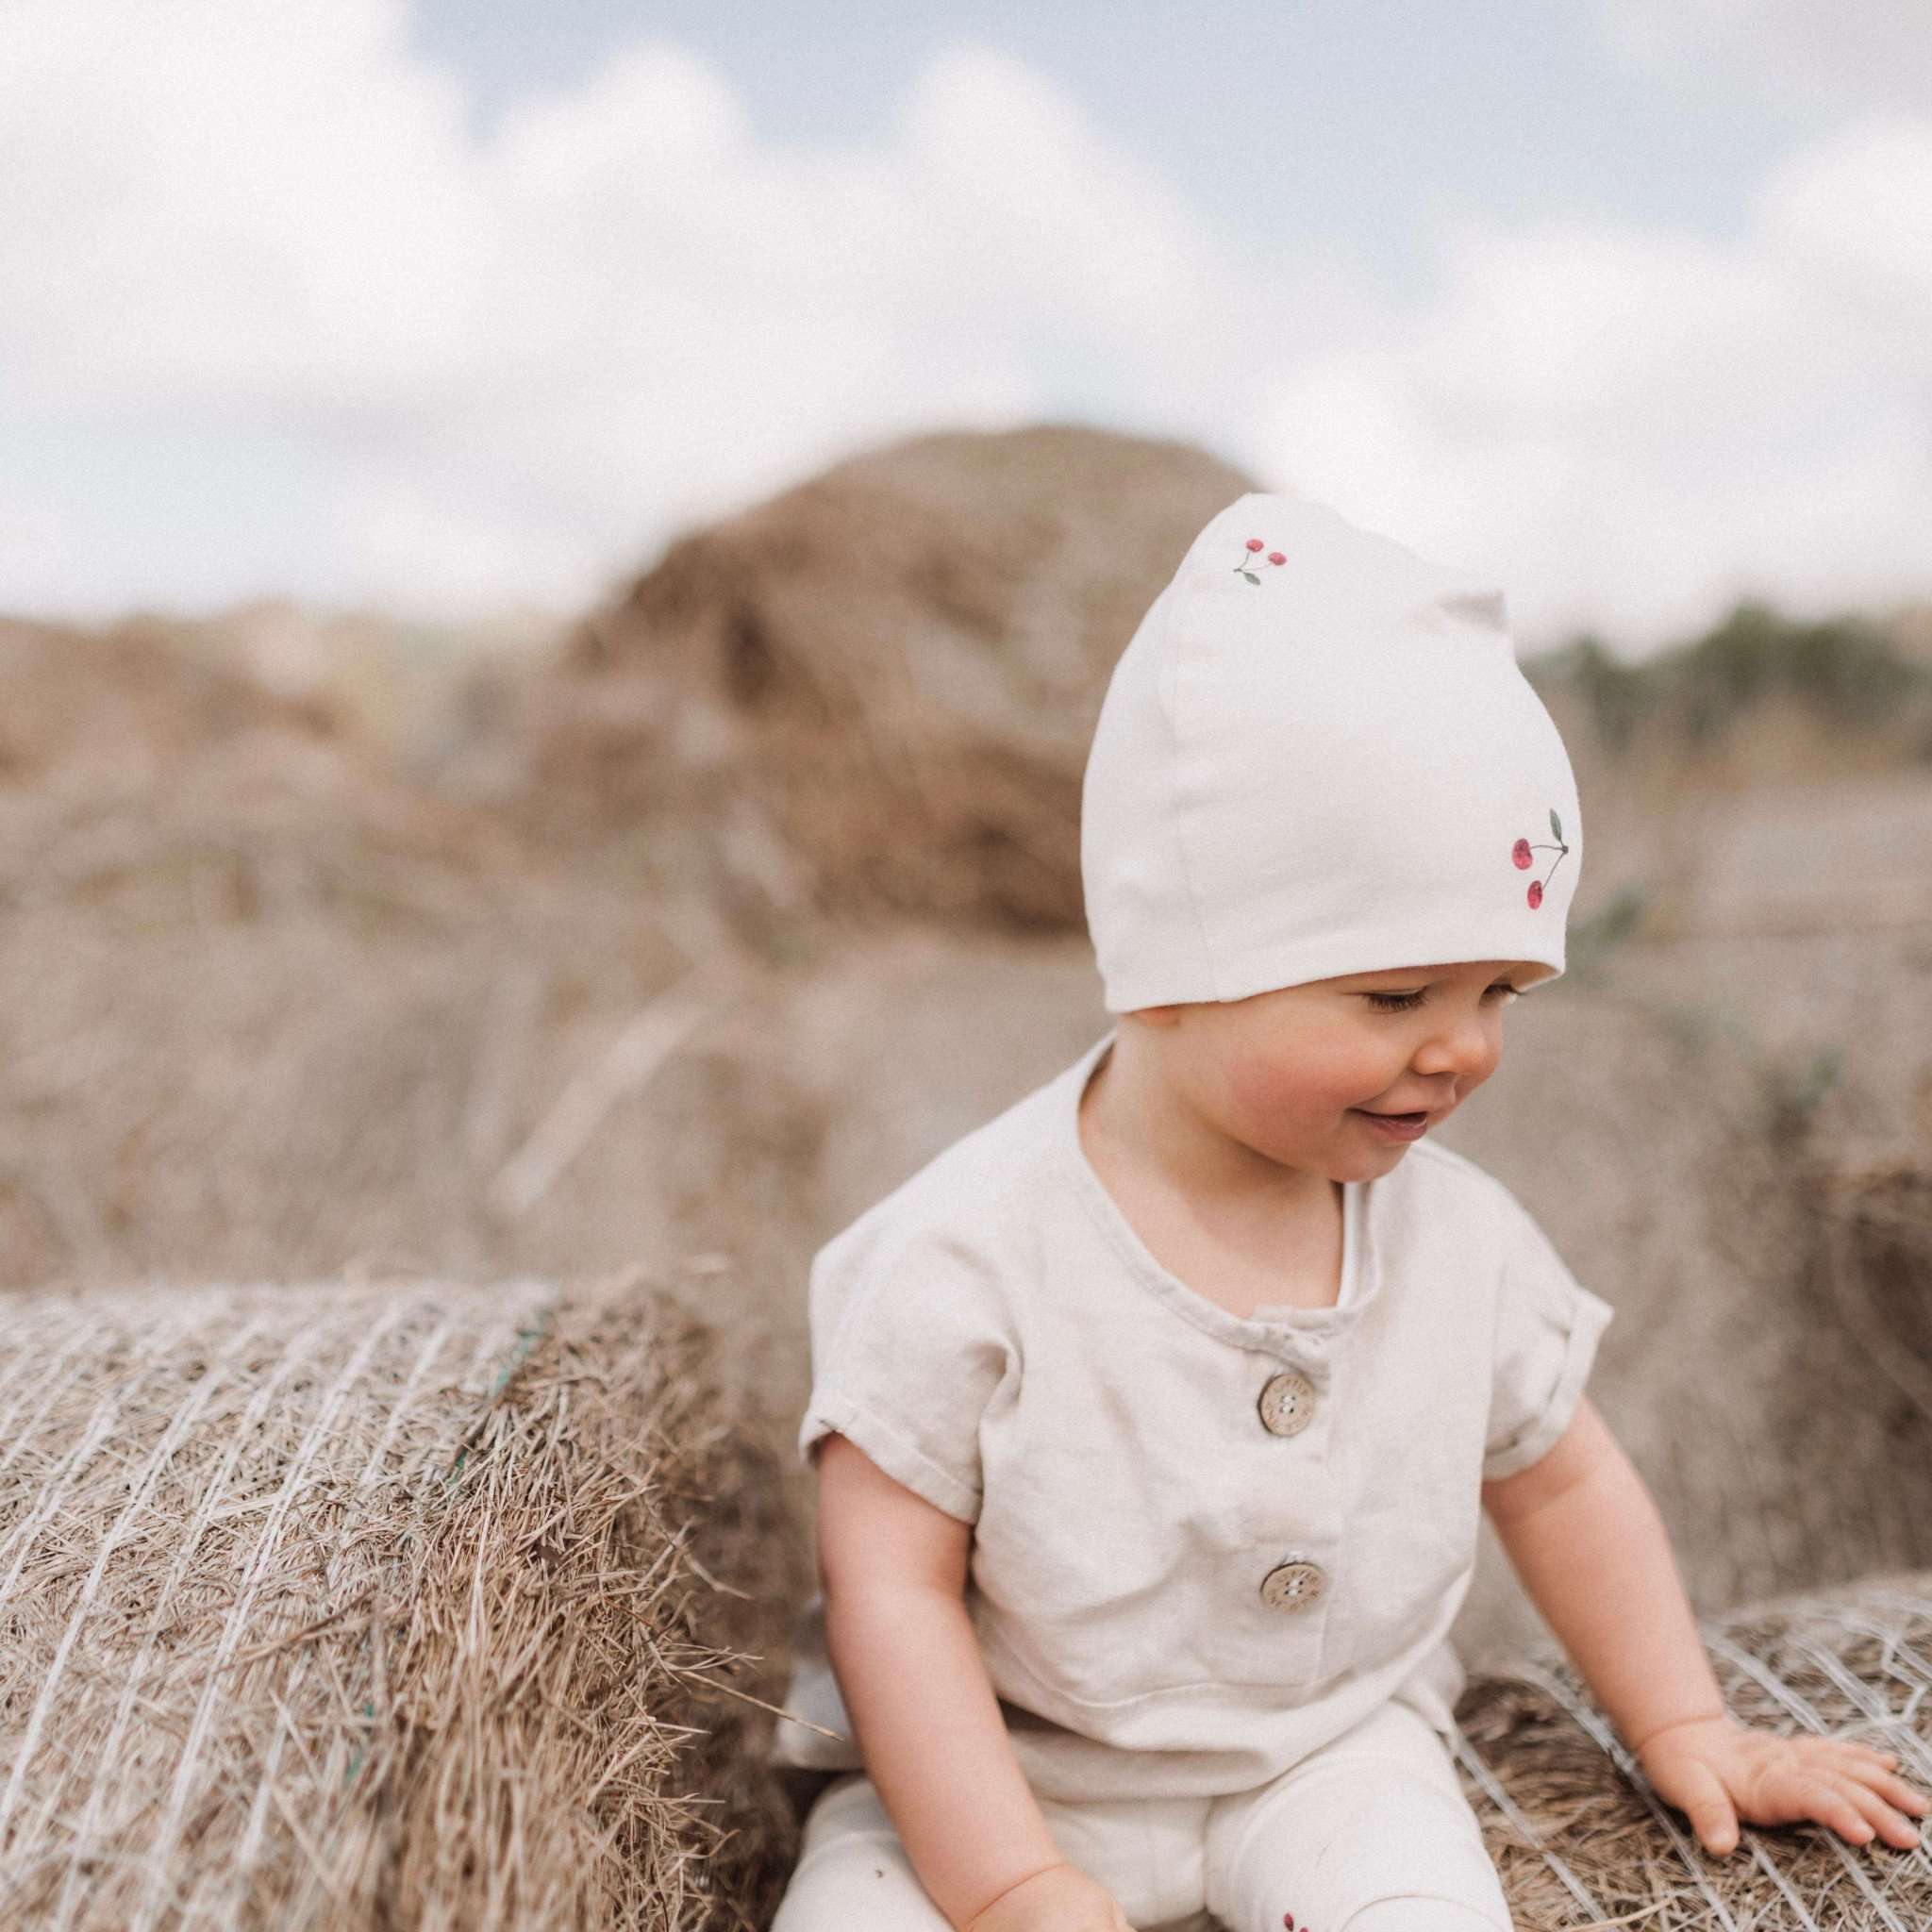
(1297, 1586)
(1287, 1402)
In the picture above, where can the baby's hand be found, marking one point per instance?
(1062, 1898)
(1717, 1771)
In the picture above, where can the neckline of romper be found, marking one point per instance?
(1312, 1330)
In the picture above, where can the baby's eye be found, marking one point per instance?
(1406, 1002)
(1393, 1002)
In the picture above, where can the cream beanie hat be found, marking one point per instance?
(1318, 756)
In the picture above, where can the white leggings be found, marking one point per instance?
(1372, 1832)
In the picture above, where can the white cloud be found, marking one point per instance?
(36, 540)
(1839, 53)
(1853, 214)
(237, 206)
(1629, 428)
(418, 546)
(539, 350)
(274, 319)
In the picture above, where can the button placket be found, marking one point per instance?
(1285, 1404)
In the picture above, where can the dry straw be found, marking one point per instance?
(342, 1606)
(1582, 1840)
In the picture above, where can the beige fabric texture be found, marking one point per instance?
(995, 1335)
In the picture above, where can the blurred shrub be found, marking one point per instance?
(1616, 695)
(1595, 936)
(1849, 670)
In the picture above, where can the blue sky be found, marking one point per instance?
(449, 309)
(1353, 125)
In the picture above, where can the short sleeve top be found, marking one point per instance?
(1204, 1544)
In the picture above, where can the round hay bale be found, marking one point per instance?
(875, 690)
(375, 1604)
(1581, 1838)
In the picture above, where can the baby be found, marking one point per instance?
(1158, 1413)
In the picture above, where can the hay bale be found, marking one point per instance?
(139, 774)
(876, 689)
(357, 1605)
(1582, 1840)
(125, 698)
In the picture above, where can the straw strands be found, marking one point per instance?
(332, 1605)
(1582, 1840)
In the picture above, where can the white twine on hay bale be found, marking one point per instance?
(1583, 1841)
(343, 1605)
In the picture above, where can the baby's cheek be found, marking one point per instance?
(1268, 1094)
(1262, 1105)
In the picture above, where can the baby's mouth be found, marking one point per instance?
(1399, 1126)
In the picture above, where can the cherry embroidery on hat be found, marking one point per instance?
(1253, 545)
(1520, 857)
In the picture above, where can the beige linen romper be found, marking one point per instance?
(1209, 1549)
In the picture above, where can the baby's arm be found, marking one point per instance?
(1583, 1532)
(892, 1570)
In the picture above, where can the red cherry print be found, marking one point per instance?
(1251, 556)
(1520, 857)
(1288, 1920)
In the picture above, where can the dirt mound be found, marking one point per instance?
(877, 690)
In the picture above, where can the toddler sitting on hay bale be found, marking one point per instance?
(1155, 1418)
